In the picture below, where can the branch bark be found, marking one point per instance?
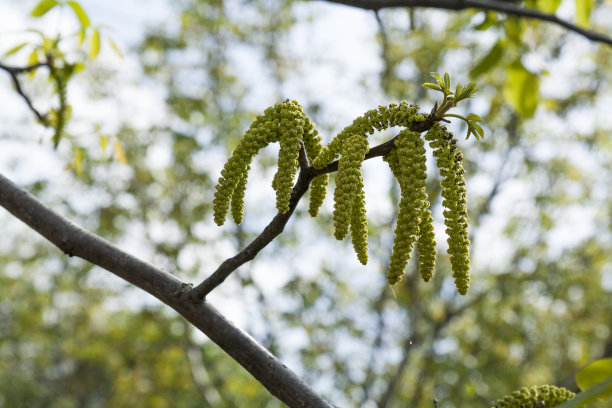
(505, 7)
(75, 241)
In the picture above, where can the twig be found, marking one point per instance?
(277, 225)
(14, 72)
(493, 5)
(75, 241)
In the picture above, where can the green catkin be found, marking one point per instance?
(426, 245)
(318, 186)
(291, 131)
(407, 162)
(449, 161)
(383, 117)
(237, 203)
(535, 397)
(348, 183)
(359, 225)
(263, 131)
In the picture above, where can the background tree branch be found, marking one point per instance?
(505, 7)
(75, 241)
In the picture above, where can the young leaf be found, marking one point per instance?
(602, 389)
(594, 373)
(477, 130)
(472, 117)
(15, 49)
(42, 7)
(432, 86)
(439, 79)
(446, 81)
(94, 45)
(80, 13)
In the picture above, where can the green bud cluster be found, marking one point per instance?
(284, 123)
(449, 161)
(543, 396)
(349, 197)
(414, 221)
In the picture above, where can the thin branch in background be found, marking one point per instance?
(14, 72)
(501, 6)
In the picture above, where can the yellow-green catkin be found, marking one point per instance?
(535, 397)
(318, 186)
(349, 183)
(449, 161)
(407, 162)
(263, 131)
(290, 131)
(359, 224)
(403, 115)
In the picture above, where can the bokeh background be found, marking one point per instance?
(192, 76)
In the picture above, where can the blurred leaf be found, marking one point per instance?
(548, 6)
(115, 47)
(103, 143)
(80, 13)
(120, 153)
(43, 7)
(594, 373)
(521, 89)
(583, 11)
(488, 61)
(15, 49)
(601, 390)
(94, 45)
(32, 60)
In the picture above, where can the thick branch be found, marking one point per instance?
(505, 7)
(277, 225)
(75, 241)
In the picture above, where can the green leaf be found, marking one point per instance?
(477, 130)
(94, 45)
(583, 11)
(446, 81)
(15, 49)
(472, 117)
(80, 13)
(439, 79)
(548, 6)
(494, 55)
(603, 389)
(594, 373)
(521, 89)
(42, 7)
(432, 86)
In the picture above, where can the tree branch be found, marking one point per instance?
(505, 7)
(75, 241)
(277, 225)
(14, 72)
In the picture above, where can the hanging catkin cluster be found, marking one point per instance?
(535, 397)
(284, 123)
(287, 124)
